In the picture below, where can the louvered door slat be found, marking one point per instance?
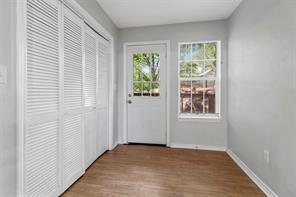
(91, 128)
(41, 155)
(73, 99)
(37, 51)
(90, 92)
(103, 91)
(103, 76)
(90, 70)
(41, 144)
(72, 136)
(72, 64)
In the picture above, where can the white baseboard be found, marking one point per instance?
(198, 147)
(114, 146)
(267, 190)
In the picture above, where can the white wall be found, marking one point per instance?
(262, 90)
(193, 132)
(7, 101)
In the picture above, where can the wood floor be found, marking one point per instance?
(148, 171)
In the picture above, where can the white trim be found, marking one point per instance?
(267, 190)
(124, 98)
(198, 147)
(111, 95)
(202, 117)
(61, 49)
(89, 19)
(20, 65)
(168, 96)
(114, 146)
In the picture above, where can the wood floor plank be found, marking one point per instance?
(154, 171)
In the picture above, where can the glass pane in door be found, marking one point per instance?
(146, 71)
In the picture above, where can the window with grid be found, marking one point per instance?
(199, 79)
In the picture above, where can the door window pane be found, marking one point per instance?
(146, 71)
(155, 67)
(155, 89)
(137, 88)
(146, 88)
(137, 71)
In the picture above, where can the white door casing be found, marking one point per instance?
(146, 108)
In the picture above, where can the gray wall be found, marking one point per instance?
(7, 101)
(189, 132)
(262, 90)
(96, 11)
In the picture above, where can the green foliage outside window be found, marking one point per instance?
(146, 73)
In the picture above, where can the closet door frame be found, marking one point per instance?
(21, 57)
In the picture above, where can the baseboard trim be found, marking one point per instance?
(198, 147)
(267, 190)
(114, 146)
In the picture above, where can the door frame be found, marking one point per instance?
(125, 87)
(20, 35)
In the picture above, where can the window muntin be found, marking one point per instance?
(199, 66)
(146, 71)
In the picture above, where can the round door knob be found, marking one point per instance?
(129, 102)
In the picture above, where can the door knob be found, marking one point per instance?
(129, 101)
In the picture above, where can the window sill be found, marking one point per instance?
(200, 118)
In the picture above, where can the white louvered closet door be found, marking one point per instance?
(42, 99)
(72, 135)
(90, 94)
(103, 95)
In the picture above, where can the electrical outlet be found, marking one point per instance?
(266, 156)
(3, 74)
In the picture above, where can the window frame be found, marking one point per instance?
(202, 116)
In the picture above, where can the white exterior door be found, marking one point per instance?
(146, 97)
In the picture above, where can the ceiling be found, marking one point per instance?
(134, 13)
